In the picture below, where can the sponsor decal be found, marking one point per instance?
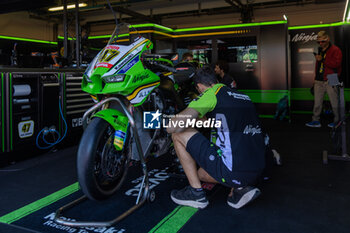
(127, 53)
(182, 68)
(126, 60)
(25, 129)
(104, 65)
(238, 96)
(249, 129)
(303, 37)
(156, 176)
(140, 94)
(76, 122)
(50, 223)
(129, 65)
(113, 47)
(108, 54)
(119, 137)
(128, 57)
(222, 140)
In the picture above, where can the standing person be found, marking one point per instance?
(328, 61)
(235, 154)
(221, 69)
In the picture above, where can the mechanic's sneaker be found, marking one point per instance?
(331, 125)
(189, 196)
(314, 124)
(241, 197)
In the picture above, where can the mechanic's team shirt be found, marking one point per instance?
(240, 137)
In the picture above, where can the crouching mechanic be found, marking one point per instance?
(235, 154)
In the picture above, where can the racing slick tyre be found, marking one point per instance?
(101, 168)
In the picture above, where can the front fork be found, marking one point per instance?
(144, 188)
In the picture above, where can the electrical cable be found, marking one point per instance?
(53, 131)
(51, 144)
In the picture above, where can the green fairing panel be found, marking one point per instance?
(115, 118)
(136, 77)
(134, 86)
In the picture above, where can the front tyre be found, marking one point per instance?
(101, 168)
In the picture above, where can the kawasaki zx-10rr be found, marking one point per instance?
(125, 82)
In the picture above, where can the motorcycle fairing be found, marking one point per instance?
(118, 121)
(126, 59)
(138, 96)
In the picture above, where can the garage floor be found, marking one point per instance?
(303, 195)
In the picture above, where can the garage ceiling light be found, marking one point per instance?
(346, 17)
(60, 8)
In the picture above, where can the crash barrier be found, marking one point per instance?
(40, 108)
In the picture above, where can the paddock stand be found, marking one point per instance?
(342, 123)
(144, 192)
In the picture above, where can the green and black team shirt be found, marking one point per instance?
(240, 137)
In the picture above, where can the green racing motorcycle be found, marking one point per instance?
(126, 81)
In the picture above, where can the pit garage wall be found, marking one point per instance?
(302, 45)
(265, 81)
(273, 61)
(32, 99)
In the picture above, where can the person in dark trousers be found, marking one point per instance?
(235, 154)
(221, 69)
(328, 61)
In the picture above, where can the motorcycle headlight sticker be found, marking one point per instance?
(115, 78)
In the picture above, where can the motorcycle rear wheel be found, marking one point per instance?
(101, 168)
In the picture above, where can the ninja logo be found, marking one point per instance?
(151, 120)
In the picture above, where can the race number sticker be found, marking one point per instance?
(25, 129)
(107, 55)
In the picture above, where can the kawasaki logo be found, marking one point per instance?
(49, 222)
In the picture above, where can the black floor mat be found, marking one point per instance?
(142, 220)
(303, 195)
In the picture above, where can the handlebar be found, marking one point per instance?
(168, 68)
(154, 62)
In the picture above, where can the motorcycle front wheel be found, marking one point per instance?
(101, 168)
